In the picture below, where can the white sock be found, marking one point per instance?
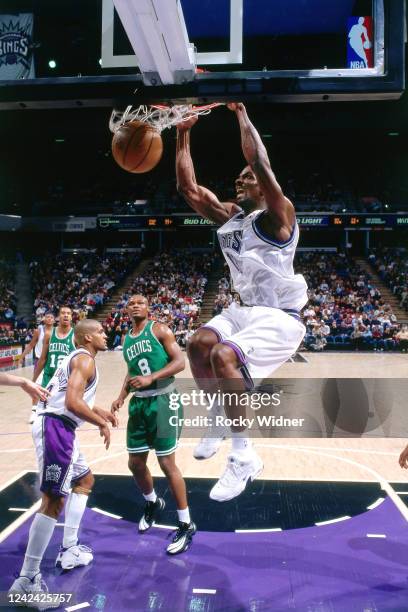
(74, 511)
(39, 537)
(184, 515)
(151, 496)
(217, 431)
(217, 409)
(240, 443)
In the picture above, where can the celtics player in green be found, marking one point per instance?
(58, 343)
(153, 357)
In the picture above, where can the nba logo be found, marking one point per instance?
(360, 42)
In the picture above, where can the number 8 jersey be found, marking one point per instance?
(145, 354)
(58, 349)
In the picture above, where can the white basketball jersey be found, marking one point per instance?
(39, 346)
(261, 267)
(56, 403)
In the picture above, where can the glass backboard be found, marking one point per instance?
(249, 50)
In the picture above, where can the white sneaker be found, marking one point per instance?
(213, 437)
(74, 556)
(32, 586)
(207, 447)
(240, 468)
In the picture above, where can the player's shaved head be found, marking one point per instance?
(85, 327)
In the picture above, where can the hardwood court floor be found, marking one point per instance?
(336, 459)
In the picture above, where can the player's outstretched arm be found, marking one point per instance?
(201, 199)
(83, 370)
(176, 364)
(281, 209)
(36, 392)
(43, 358)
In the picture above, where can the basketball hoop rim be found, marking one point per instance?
(159, 116)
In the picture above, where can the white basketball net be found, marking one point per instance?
(159, 117)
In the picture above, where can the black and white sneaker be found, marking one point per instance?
(151, 513)
(182, 538)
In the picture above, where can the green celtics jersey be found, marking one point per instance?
(58, 348)
(144, 354)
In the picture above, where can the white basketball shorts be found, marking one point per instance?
(60, 462)
(263, 338)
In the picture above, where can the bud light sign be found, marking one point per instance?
(360, 42)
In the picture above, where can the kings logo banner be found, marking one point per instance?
(360, 43)
(16, 49)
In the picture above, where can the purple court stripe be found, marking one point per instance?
(336, 566)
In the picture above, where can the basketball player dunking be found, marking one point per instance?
(37, 342)
(258, 237)
(63, 470)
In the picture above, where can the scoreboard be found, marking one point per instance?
(330, 221)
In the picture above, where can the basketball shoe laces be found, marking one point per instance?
(233, 472)
(182, 529)
(84, 548)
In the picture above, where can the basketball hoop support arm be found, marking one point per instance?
(157, 32)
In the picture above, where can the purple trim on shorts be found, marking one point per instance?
(216, 332)
(237, 350)
(293, 313)
(69, 422)
(249, 383)
(58, 448)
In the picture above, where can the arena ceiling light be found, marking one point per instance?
(157, 32)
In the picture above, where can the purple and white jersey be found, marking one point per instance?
(56, 403)
(261, 267)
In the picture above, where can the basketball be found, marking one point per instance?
(137, 147)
